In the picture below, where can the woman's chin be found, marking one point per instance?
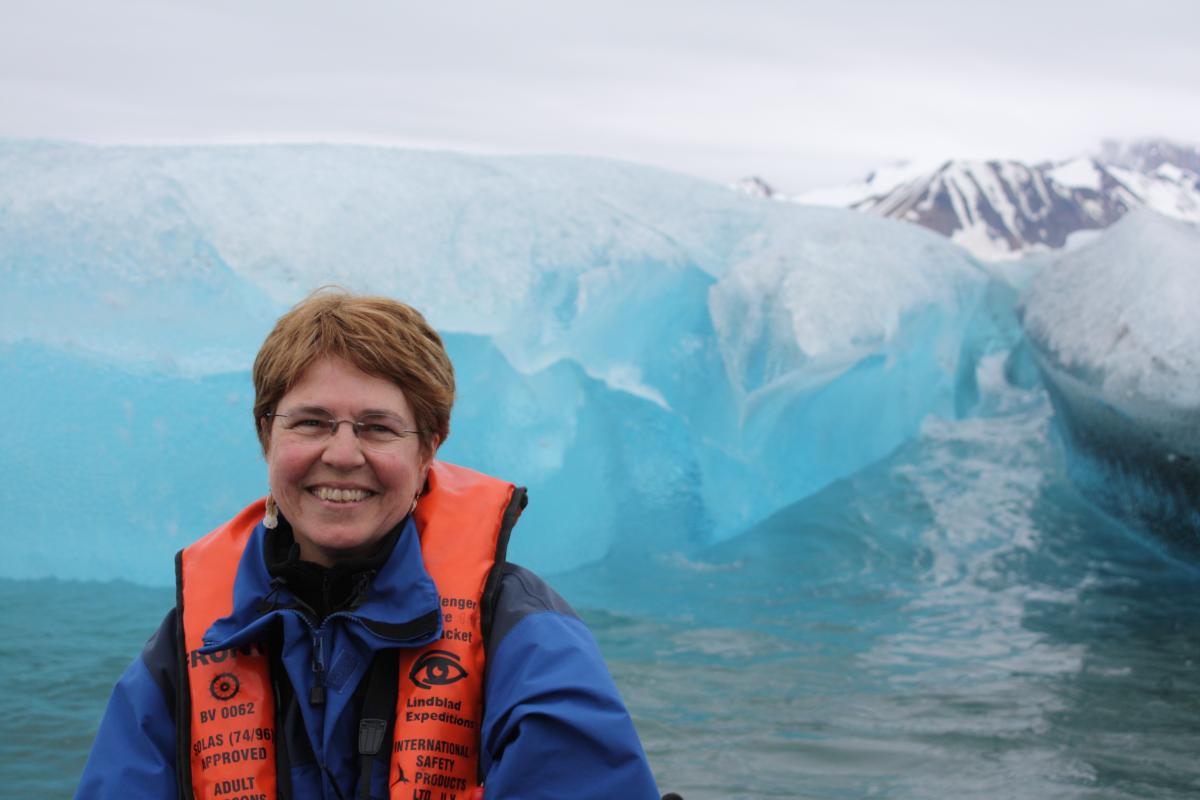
(329, 548)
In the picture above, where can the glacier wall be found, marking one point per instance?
(662, 361)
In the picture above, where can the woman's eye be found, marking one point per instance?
(310, 424)
(380, 428)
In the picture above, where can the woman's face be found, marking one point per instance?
(375, 490)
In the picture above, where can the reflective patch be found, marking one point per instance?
(343, 667)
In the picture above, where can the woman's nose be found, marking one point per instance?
(342, 449)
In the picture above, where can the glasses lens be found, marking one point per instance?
(377, 430)
(309, 425)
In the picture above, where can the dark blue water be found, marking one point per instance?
(955, 621)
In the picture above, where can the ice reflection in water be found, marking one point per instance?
(952, 622)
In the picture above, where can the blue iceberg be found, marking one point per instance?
(662, 361)
(1115, 333)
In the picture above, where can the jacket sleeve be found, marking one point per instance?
(133, 755)
(554, 725)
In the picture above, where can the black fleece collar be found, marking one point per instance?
(324, 590)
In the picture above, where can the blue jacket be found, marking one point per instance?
(554, 725)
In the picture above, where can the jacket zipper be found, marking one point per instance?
(316, 695)
(320, 640)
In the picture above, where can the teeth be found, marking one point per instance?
(340, 495)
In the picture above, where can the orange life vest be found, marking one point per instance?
(227, 713)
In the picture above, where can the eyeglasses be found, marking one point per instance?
(379, 432)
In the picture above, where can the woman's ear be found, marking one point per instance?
(435, 442)
(264, 434)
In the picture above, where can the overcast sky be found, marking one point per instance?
(804, 94)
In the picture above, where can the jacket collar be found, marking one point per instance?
(401, 607)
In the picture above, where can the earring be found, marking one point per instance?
(271, 518)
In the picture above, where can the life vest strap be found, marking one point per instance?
(377, 718)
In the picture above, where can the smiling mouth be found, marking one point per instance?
(340, 495)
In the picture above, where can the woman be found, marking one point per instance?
(359, 633)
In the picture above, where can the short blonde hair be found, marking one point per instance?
(378, 335)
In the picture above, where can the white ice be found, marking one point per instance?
(1121, 311)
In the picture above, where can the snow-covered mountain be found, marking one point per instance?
(1005, 209)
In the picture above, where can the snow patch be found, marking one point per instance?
(1079, 173)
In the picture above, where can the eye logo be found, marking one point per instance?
(224, 686)
(436, 668)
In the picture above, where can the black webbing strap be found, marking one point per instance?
(183, 696)
(378, 712)
(491, 592)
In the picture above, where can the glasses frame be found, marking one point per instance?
(355, 425)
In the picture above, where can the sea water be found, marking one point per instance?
(953, 621)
